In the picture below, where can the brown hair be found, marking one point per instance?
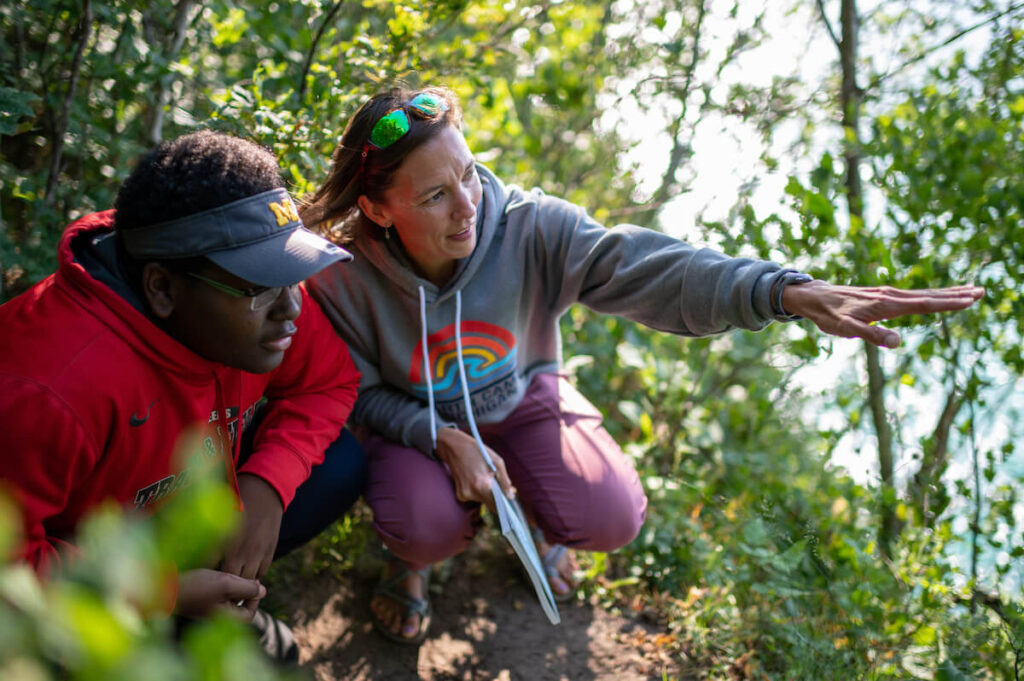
(332, 209)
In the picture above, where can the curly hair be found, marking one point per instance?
(193, 173)
(184, 176)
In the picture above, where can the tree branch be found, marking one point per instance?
(945, 43)
(328, 18)
(181, 21)
(679, 149)
(990, 601)
(934, 461)
(19, 51)
(883, 432)
(976, 519)
(85, 31)
(828, 24)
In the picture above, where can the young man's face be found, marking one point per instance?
(222, 328)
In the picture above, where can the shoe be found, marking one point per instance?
(391, 587)
(276, 638)
(549, 561)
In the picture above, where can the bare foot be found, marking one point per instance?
(390, 612)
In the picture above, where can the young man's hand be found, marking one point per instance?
(250, 552)
(202, 591)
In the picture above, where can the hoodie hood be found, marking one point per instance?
(88, 271)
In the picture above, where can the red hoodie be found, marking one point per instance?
(94, 398)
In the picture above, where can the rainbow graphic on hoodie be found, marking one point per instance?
(489, 353)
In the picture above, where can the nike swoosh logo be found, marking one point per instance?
(135, 421)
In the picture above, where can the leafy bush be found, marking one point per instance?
(104, 618)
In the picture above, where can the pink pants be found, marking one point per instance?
(571, 478)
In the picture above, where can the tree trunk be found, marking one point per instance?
(889, 525)
(850, 99)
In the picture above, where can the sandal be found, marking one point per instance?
(550, 561)
(276, 639)
(391, 588)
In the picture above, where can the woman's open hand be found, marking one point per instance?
(850, 311)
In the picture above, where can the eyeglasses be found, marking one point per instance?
(393, 125)
(260, 297)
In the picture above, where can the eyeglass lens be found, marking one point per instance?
(267, 298)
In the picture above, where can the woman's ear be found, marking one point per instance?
(160, 289)
(375, 211)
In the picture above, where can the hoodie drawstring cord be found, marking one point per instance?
(463, 382)
(426, 367)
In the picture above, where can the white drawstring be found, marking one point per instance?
(510, 513)
(426, 368)
(465, 384)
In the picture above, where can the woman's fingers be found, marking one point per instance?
(503, 480)
(872, 333)
(469, 470)
(850, 311)
(892, 303)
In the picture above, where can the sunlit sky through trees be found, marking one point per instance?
(726, 158)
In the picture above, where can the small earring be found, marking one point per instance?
(387, 232)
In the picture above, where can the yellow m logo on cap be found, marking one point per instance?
(284, 212)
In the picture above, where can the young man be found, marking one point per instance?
(181, 311)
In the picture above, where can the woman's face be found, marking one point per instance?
(432, 204)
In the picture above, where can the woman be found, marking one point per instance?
(454, 298)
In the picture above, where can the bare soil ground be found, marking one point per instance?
(487, 626)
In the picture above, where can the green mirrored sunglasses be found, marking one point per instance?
(393, 125)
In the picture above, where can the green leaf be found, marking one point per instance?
(791, 559)
(925, 636)
(948, 671)
(14, 105)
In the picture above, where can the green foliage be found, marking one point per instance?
(103, 618)
(783, 575)
(760, 559)
(947, 160)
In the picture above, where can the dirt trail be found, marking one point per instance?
(487, 626)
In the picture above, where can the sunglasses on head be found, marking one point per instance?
(394, 125)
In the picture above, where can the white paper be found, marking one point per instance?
(516, 530)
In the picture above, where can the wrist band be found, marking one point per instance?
(787, 278)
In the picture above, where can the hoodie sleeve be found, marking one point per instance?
(46, 451)
(310, 397)
(394, 414)
(644, 275)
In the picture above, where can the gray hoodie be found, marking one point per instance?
(535, 256)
